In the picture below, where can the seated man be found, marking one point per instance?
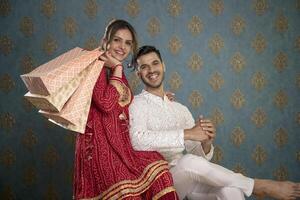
(157, 124)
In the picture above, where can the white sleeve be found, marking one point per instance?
(144, 139)
(195, 147)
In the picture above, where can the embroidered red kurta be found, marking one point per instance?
(106, 165)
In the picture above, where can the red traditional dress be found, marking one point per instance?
(106, 165)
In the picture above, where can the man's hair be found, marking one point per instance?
(143, 50)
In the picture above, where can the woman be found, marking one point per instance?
(106, 166)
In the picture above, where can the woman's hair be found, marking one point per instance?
(111, 30)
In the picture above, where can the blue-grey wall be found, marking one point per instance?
(237, 62)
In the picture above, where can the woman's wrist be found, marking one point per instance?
(118, 65)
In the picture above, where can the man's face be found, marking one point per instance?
(151, 70)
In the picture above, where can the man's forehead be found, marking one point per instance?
(147, 58)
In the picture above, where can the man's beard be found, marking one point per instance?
(149, 85)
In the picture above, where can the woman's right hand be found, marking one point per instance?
(110, 61)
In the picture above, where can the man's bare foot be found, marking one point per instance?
(284, 190)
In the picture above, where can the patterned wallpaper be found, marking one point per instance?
(237, 62)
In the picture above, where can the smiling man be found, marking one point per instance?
(157, 124)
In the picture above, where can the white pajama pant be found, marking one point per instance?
(196, 178)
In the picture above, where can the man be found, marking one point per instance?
(157, 124)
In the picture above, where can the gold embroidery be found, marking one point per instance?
(6, 45)
(217, 117)
(238, 25)
(163, 192)
(216, 81)
(153, 27)
(29, 139)
(49, 45)
(195, 62)
(195, 99)
(238, 136)
(259, 155)
(281, 23)
(218, 155)
(70, 27)
(216, 7)
(280, 61)
(258, 81)
(175, 45)
(6, 83)
(174, 8)
(123, 90)
(238, 62)
(91, 8)
(259, 117)
(260, 6)
(26, 26)
(48, 8)
(281, 99)
(237, 99)
(259, 43)
(175, 81)
(216, 44)
(281, 137)
(281, 174)
(195, 26)
(132, 8)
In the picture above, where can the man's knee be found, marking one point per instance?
(190, 162)
(229, 193)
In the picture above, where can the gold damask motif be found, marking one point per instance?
(195, 62)
(259, 43)
(6, 45)
(281, 174)
(5, 8)
(48, 8)
(195, 26)
(281, 137)
(298, 156)
(51, 193)
(29, 176)
(91, 43)
(280, 61)
(298, 118)
(238, 136)
(238, 168)
(27, 26)
(216, 44)
(7, 84)
(216, 7)
(29, 139)
(217, 117)
(7, 158)
(70, 27)
(260, 6)
(175, 81)
(259, 117)
(281, 23)
(27, 106)
(132, 8)
(51, 156)
(259, 155)
(91, 8)
(238, 62)
(7, 193)
(297, 43)
(27, 64)
(298, 5)
(134, 82)
(281, 99)
(49, 45)
(7, 121)
(258, 81)
(237, 99)
(195, 99)
(175, 45)
(216, 81)
(298, 80)
(238, 25)
(218, 155)
(174, 8)
(153, 27)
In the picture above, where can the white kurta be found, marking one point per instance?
(158, 124)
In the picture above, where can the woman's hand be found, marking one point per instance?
(110, 62)
(170, 95)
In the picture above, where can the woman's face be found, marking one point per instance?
(121, 44)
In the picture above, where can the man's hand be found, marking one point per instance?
(196, 133)
(209, 128)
